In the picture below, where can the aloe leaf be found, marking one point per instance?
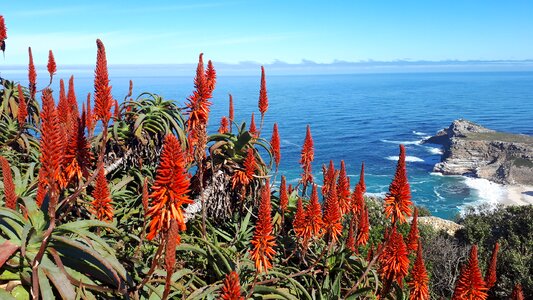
(58, 278)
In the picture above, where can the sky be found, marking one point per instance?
(175, 32)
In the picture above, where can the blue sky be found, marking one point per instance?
(153, 32)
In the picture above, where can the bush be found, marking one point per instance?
(512, 227)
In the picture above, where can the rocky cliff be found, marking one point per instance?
(471, 149)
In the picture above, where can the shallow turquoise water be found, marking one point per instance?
(364, 117)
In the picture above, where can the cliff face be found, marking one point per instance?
(471, 149)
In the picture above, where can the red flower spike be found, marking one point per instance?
(145, 195)
(298, 224)
(490, 276)
(22, 108)
(370, 253)
(418, 283)
(363, 231)
(41, 188)
(358, 200)
(398, 201)
(3, 31)
(313, 221)
(412, 239)
(90, 116)
(244, 177)
(51, 141)
(9, 187)
(63, 110)
(275, 145)
(362, 178)
(211, 78)
(470, 284)
(78, 154)
(253, 128)
(263, 98)
(198, 103)
(343, 190)
(101, 205)
(52, 67)
(350, 240)
(231, 112)
(170, 189)
(394, 260)
(116, 111)
(232, 288)
(283, 195)
(517, 293)
(102, 90)
(172, 240)
(224, 125)
(32, 75)
(72, 102)
(332, 213)
(307, 157)
(290, 189)
(263, 242)
(328, 172)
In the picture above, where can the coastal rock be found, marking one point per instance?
(439, 224)
(473, 150)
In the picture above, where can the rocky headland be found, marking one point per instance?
(473, 150)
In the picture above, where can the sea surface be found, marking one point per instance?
(362, 118)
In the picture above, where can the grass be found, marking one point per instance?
(501, 136)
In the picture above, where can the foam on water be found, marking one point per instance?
(418, 142)
(487, 192)
(407, 158)
(435, 150)
(419, 133)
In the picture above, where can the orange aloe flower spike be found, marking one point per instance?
(211, 78)
(224, 125)
(490, 276)
(363, 232)
(263, 242)
(394, 260)
(398, 201)
(263, 98)
(332, 214)
(3, 31)
(414, 235)
(314, 223)
(9, 186)
(307, 157)
(23, 108)
(275, 145)
(350, 240)
(253, 128)
(101, 205)
(470, 284)
(52, 67)
(298, 224)
(231, 113)
(51, 140)
(362, 178)
(343, 190)
(72, 102)
(102, 90)
(418, 283)
(32, 75)
(283, 195)
(170, 189)
(517, 293)
(231, 290)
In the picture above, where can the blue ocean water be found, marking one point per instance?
(365, 117)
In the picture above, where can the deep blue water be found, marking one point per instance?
(364, 117)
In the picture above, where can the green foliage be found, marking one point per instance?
(512, 227)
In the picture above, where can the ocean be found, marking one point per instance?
(363, 118)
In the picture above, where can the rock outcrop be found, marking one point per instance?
(471, 149)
